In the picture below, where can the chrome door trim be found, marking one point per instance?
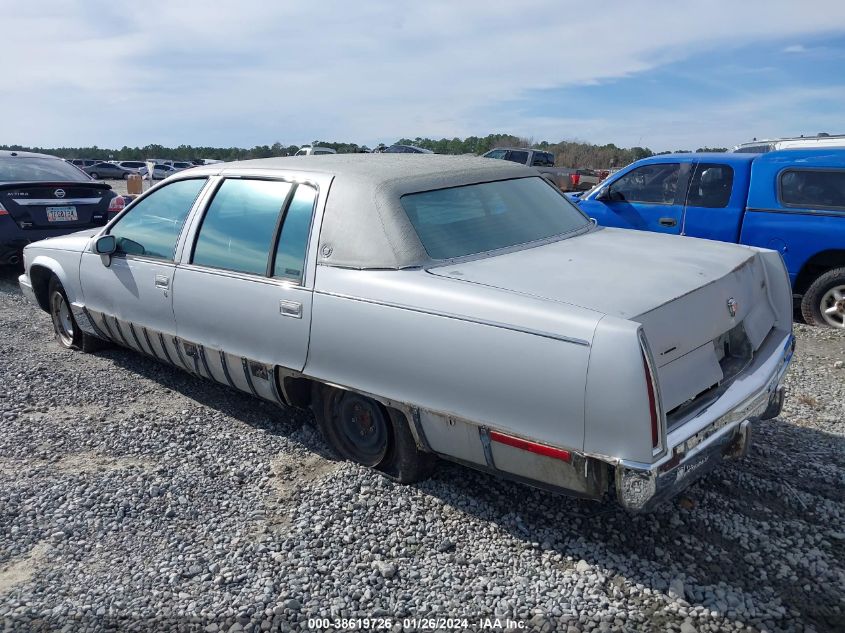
(137, 340)
(94, 325)
(178, 345)
(226, 370)
(273, 281)
(119, 331)
(164, 348)
(150, 343)
(248, 376)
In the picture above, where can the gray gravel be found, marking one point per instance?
(134, 497)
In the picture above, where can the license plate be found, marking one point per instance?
(61, 214)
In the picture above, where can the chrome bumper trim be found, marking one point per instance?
(714, 438)
(26, 288)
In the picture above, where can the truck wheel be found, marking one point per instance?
(68, 333)
(363, 431)
(824, 301)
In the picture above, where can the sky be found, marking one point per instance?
(652, 73)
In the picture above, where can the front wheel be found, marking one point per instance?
(67, 331)
(824, 301)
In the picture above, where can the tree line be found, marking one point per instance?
(567, 153)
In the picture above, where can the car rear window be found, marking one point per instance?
(26, 169)
(472, 219)
(813, 188)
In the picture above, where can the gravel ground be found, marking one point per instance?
(134, 497)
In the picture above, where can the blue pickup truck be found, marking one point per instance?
(792, 201)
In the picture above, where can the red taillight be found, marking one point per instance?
(532, 447)
(574, 179)
(3, 210)
(117, 204)
(652, 404)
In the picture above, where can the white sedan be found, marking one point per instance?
(429, 306)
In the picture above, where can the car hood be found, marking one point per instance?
(618, 272)
(71, 242)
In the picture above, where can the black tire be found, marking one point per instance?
(68, 333)
(126, 175)
(364, 431)
(94, 175)
(821, 298)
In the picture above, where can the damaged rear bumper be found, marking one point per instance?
(722, 431)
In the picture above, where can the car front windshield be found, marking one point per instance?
(471, 219)
(28, 169)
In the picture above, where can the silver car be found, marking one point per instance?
(429, 306)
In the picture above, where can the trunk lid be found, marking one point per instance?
(40, 205)
(703, 305)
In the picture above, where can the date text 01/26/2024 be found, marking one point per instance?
(414, 624)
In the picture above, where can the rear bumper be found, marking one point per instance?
(722, 431)
(13, 239)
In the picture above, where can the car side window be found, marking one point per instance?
(151, 227)
(496, 153)
(710, 186)
(656, 184)
(811, 188)
(516, 156)
(238, 229)
(293, 240)
(543, 159)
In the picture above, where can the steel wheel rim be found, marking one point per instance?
(62, 318)
(833, 306)
(362, 430)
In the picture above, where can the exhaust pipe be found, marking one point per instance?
(14, 260)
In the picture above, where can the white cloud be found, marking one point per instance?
(795, 48)
(255, 72)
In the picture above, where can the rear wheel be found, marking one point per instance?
(94, 175)
(364, 431)
(824, 301)
(67, 331)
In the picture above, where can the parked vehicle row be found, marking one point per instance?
(566, 179)
(458, 307)
(820, 141)
(791, 201)
(120, 169)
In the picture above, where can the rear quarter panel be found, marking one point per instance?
(529, 385)
(617, 419)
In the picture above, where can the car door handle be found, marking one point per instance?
(290, 309)
(667, 221)
(162, 282)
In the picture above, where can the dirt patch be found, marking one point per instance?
(291, 471)
(21, 569)
(76, 463)
(90, 462)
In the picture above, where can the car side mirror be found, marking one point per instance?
(105, 245)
